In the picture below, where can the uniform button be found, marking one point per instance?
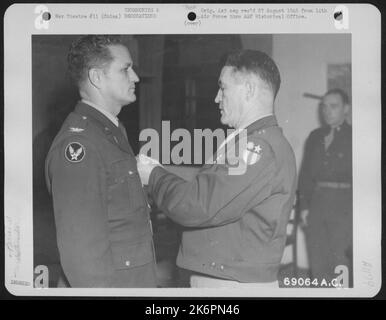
(213, 264)
(149, 206)
(222, 267)
(106, 128)
(130, 172)
(127, 263)
(84, 117)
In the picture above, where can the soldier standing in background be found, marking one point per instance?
(325, 190)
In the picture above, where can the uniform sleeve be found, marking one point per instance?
(219, 194)
(77, 186)
(306, 182)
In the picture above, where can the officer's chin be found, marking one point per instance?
(224, 120)
(331, 123)
(132, 98)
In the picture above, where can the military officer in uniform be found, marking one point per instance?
(235, 211)
(102, 217)
(325, 190)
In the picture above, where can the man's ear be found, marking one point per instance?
(95, 77)
(250, 89)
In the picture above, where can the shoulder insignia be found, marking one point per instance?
(252, 154)
(74, 152)
(72, 129)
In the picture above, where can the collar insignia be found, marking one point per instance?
(72, 129)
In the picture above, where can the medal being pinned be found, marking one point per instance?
(75, 152)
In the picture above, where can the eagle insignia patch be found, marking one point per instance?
(74, 152)
(252, 154)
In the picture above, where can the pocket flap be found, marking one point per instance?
(120, 170)
(127, 255)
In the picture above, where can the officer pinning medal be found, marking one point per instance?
(234, 212)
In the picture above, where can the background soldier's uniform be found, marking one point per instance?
(325, 190)
(236, 224)
(101, 213)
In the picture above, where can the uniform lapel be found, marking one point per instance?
(109, 129)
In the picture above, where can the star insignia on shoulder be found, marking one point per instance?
(253, 148)
(75, 152)
(252, 154)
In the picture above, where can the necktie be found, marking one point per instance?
(124, 141)
(329, 138)
(122, 129)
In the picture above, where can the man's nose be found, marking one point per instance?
(327, 111)
(133, 76)
(217, 99)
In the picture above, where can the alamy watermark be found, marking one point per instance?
(231, 147)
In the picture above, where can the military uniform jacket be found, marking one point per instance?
(102, 217)
(235, 223)
(333, 164)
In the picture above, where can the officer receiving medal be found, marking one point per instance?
(102, 218)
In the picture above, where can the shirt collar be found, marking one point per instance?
(255, 120)
(262, 123)
(112, 118)
(256, 124)
(342, 127)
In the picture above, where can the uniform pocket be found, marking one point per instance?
(125, 188)
(127, 255)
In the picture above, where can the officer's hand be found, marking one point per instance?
(145, 165)
(304, 217)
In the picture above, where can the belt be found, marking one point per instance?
(197, 281)
(335, 185)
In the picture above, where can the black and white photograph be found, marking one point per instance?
(192, 160)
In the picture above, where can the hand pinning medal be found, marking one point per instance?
(74, 152)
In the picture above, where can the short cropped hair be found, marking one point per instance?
(256, 62)
(88, 52)
(343, 95)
